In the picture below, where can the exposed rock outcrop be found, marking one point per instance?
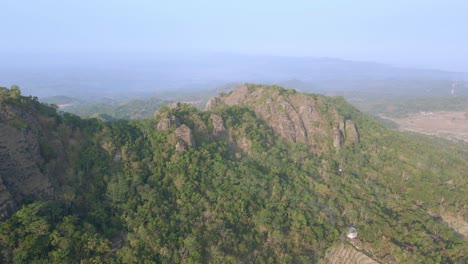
(294, 116)
(337, 138)
(175, 105)
(167, 123)
(184, 134)
(213, 103)
(218, 125)
(238, 96)
(351, 132)
(21, 175)
(180, 147)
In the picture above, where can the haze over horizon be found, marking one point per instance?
(416, 34)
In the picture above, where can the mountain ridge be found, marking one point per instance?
(233, 184)
(83, 75)
(296, 117)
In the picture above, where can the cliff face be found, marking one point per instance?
(295, 117)
(183, 134)
(34, 144)
(20, 160)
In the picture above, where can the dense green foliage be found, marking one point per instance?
(133, 109)
(132, 198)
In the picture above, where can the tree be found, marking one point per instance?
(15, 91)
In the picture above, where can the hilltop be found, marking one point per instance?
(264, 174)
(296, 117)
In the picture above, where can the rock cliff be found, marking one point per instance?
(21, 164)
(183, 133)
(294, 116)
(218, 124)
(167, 123)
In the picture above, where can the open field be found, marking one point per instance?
(347, 254)
(448, 124)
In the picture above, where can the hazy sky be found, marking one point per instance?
(423, 33)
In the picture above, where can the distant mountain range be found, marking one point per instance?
(121, 75)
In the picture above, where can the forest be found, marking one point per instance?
(135, 193)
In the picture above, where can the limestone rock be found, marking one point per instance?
(213, 103)
(294, 116)
(337, 138)
(218, 124)
(244, 144)
(21, 175)
(175, 105)
(238, 96)
(341, 124)
(166, 123)
(185, 135)
(351, 132)
(180, 147)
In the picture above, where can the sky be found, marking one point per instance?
(410, 33)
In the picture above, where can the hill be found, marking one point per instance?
(113, 109)
(263, 175)
(106, 75)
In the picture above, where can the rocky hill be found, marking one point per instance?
(296, 117)
(26, 167)
(20, 160)
(36, 152)
(263, 175)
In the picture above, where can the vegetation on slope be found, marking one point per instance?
(134, 197)
(133, 109)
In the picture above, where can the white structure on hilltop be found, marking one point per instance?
(352, 233)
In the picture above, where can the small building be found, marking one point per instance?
(352, 232)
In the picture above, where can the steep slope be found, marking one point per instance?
(22, 168)
(20, 172)
(296, 117)
(251, 180)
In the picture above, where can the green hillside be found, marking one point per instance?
(230, 184)
(132, 109)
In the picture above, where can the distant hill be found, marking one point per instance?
(114, 76)
(264, 174)
(383, 88)
(136, 108)
(111, 110)
(59, 100)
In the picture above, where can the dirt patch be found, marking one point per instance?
(448, 124)
(347, 254)
(457, 223)
(61, 106)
